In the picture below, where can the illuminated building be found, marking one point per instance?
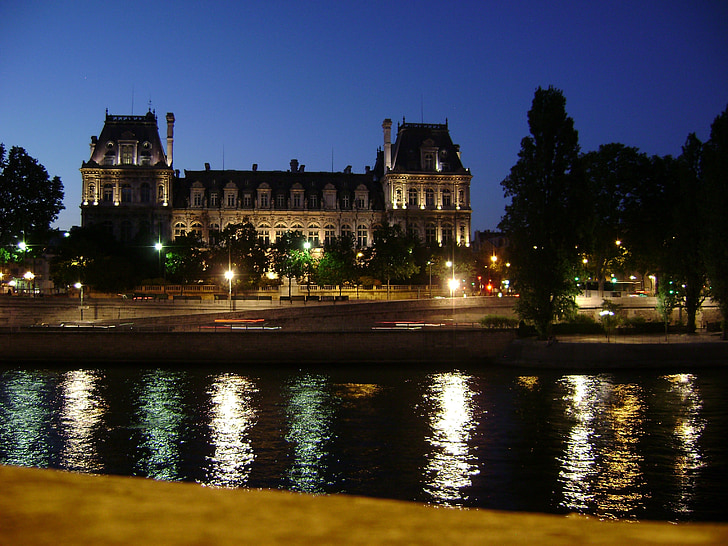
(418, 182)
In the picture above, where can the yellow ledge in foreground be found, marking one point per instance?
(53, 507)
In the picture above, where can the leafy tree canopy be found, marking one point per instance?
(29, 199)
(545, 218)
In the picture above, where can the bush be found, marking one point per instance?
(498, 321)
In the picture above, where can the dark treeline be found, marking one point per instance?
(575, 215)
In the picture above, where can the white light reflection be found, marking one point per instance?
(25, 419)
(81, 413)
(160, 417)
(689, 427)
(578, 464)
(309, 414)
(450, 466)
(232, 417)
(601, 468)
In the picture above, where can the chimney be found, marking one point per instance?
(170, 136)
(294, 165)
(387, 126)
(255, 167)
(207, 166)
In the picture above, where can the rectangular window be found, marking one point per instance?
(313, 238)
(264, 200)
(127, 154)
(197, 199)
(280, 201)
(312, 202)
(360, 202)
(296, 200)
(213, 199)
(231, 200)
(247, 201)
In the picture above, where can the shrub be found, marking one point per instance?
(498, 321)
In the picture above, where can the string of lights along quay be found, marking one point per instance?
(614, 445)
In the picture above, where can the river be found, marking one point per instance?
(637, 446)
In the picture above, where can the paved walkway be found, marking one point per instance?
(699, 337)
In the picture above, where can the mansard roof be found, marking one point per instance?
(140, 129)
(414, 138)
(278, 182)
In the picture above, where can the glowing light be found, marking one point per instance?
(453, 284)
(81, 414)
(232, 416)
(450, 466)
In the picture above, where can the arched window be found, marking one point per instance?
(126, 193)
(446, 198)
(346, 231)
(180, 229)
(412, 197)
(196, 230)
(362, 236)
(431, 234)
(264, 234)
(329, 234)
(447, 234)
(430, 197)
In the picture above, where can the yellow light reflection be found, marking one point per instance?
(160, 417)
(309, 413)
(450, 465)
(232, 416)
(601, 467)
(81, 413)
(529, 382)
(689, 427)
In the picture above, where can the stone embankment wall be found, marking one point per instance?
(242, 347)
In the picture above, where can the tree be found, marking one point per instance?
(29, 200)
(290, 258)
(610, 174)
(338, 264)
(545, 218)
(240, 248)
(715, 205)
(184, 260)
(391, 255)
(683, 248)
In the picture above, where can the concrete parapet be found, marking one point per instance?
(52, 507)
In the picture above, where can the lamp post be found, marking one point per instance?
(158, 247)
(429, 264)
(79, 286)
(229, 276)
(307, 248)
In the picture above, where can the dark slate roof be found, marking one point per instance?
(278, 181)
(411, 137)
(140, 128)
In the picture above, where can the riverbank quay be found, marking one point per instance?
(54, 507)
(440, 346)
(590, 353)
(23, 312)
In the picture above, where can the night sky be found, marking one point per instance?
(265, 82)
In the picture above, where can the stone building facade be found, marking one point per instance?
(418, 181)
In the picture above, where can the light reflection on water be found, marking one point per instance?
(601, 468)
(689, 426)
(232, 415)
(159, 417)
(310, 412)
(615, 446)
(81, 414)
(25, 419)
(451, 465)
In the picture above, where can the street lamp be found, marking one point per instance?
(158, 247)
(429, 263)
(229, 276)
(79, 286)
(307, 248)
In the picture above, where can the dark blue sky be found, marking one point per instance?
(265, 82)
